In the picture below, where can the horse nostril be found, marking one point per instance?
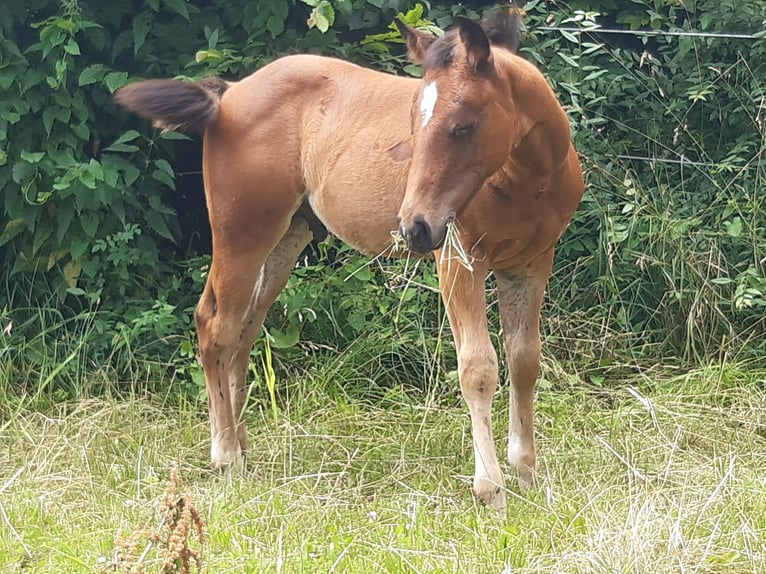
(419, 236)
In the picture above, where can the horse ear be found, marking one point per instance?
(417, 42)
(475, 42)
(503, 26)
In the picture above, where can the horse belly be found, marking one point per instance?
(360, 207)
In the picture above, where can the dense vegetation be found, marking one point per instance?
(103, 233)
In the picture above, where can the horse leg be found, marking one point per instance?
(241, 246)
(520, 298)
(466, 303)
(271, 280)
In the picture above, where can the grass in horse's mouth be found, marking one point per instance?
(453, 249)
(397, 241)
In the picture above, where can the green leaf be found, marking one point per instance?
(12, 229)
(164, 178)
(115, 80)
(81, 130)
(64, 217)
(8, 76)
(175, 136)
(49, 116)
(179, 7)
(32, 157)
(285, 339)
(23, 172)
(142, 24)
(157, 223)
(275, 25)
(91, 75)
(78, 246)
(89, 223)
(734, 227)
(42, 233)
(121, 143)
(322, 17)
(72, 47)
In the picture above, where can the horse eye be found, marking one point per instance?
(458, 130)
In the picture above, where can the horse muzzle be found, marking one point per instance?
(420, 237)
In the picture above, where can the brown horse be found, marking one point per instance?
(480, 141)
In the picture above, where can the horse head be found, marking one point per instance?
(462, 122)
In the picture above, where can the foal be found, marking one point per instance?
(480, 141)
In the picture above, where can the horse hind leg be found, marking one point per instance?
(520, 298)
(222, 317)
(271, 280)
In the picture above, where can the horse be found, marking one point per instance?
(479, 143)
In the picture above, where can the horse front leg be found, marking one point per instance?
(520, 297)
(466, 303)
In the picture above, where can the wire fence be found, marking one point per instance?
(595, 29)
(655, 33)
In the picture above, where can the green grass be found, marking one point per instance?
(657, 474)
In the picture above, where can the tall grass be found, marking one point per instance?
(645, 473)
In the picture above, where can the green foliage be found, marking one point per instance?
(668, 246)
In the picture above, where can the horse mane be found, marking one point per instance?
(502, 26)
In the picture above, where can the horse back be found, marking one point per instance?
(329, 127)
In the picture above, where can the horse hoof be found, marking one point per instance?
(491, 494)
(527, 478)
(221, 458)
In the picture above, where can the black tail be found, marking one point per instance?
(174, 105)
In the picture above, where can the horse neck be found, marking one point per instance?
(540, 136)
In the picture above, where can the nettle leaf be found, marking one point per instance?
(72, 47)
(8, 76)
(32, 157)
(82, 131)
(78, 246)
(89, 223)
(121, 143)
(157, 223)
(164, 173)
(91, 75)
(64, 217)
(179, 7)
(53, 113)
(23, 172)
(42, 234)
(142, 24)
(12, 229)
(275, 25)
(284, 339)
(115, 80)
(322, 17)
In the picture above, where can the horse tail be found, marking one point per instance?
(174, 105)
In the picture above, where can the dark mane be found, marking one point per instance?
(502, 26)
(442, 51)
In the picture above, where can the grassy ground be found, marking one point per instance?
(658, 474)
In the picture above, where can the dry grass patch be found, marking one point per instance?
(660, 476)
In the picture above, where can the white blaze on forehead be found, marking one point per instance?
(428, 102)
